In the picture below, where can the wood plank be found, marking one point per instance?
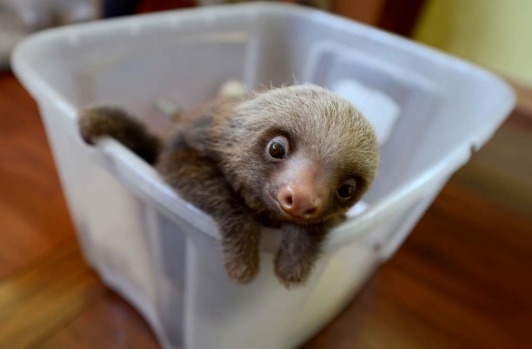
(364, 11)
(524, 96)
(400, 16)
(109, 322)
(45, 296)
(502, 170)
(32, 207)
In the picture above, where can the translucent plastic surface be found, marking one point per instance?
(163, 254)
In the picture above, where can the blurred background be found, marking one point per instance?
(492, 33)
(462, 279)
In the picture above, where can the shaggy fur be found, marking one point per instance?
(106, 121)
(217, 160)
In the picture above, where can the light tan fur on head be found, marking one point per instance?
(326, 134)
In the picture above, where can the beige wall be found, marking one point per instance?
(494, 33)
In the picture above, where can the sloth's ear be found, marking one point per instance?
(197, 136)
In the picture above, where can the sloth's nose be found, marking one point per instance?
(300, 201)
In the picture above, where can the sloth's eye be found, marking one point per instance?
(277, 148)
(346, 190)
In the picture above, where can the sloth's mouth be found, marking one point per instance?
(272, 202)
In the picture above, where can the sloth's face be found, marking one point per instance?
(301, 153)
(302, 188)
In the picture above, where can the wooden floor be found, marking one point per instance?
(462, 280)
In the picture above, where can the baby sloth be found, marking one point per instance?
(295, 158)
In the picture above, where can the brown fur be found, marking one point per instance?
(113, 122)
(217, 160)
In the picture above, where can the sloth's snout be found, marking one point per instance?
(299, 201)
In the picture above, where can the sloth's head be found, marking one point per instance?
(300, 153)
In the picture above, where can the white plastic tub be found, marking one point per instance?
(162, 254)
